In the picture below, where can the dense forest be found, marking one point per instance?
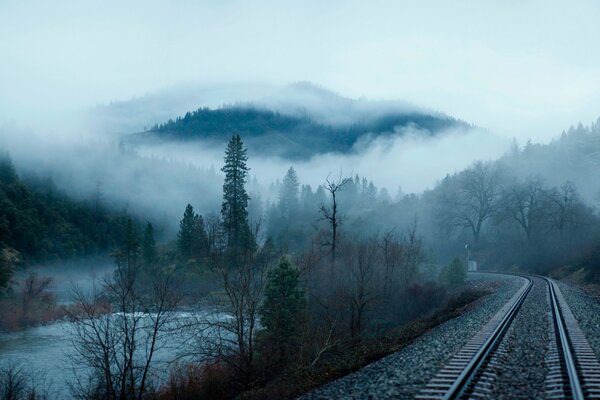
(44, 224)
(269, 132)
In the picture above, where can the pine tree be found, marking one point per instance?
(282, 311)
(288, 194)
(187, 229)
(130, 248)
(236, 230)
(149, 246)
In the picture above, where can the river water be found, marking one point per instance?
(45, 352)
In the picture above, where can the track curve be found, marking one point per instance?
(574, 375)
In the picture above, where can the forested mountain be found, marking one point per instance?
(273, 133)
(43, 224)
(574, 156)
(295, 121)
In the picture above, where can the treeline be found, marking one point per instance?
(291, 136)
(511, 221)
(573, 156)
(43, 224)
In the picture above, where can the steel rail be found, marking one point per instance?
(578, 370)
(469, 374)
(565, 344)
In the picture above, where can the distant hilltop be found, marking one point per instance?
(299, 121)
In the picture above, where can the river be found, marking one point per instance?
(46, 351)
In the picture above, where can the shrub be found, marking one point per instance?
(454, 274)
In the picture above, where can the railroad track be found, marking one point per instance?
(573, 369)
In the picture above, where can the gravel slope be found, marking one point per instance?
(402, 374)
(586, 309)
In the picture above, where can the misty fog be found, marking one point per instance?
(253, 199)
(155, 180)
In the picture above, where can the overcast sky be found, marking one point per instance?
(520, 68)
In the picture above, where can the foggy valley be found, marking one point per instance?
(278, 201)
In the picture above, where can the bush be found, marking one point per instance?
(193, 381)
(454, 274)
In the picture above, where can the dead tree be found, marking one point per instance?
(331, 215)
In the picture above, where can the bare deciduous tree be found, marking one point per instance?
(361, 262)
(469, 199)
(19, 383)
(401, 255)
(119, 327)
(228, 333)
(524, 203)
(564, 206)
(331, 215)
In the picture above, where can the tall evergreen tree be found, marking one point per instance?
(289, 193)
(238, 237)
(187, 229)
(192, 239)
(149, 246)
(282, 311)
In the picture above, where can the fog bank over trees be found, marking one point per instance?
(156, 178)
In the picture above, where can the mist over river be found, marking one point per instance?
(46, 352)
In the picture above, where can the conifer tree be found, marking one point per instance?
(187, 228)
(200, 238)
(149, 246)
(283, 310)
(130, 249)
(288, 195)
(234, 213)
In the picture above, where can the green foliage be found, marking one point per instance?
(292, 136)
(282, 312)
(192, 239)
(43, 224)
(454, 273)
(234, 213)
(130, 249)
(288, 195)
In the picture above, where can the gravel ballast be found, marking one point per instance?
(586, 309)
(404, 373)
(520, 370)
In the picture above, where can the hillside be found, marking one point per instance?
(296, 121)
(574, 156)
(273, 133)
(43, 224)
